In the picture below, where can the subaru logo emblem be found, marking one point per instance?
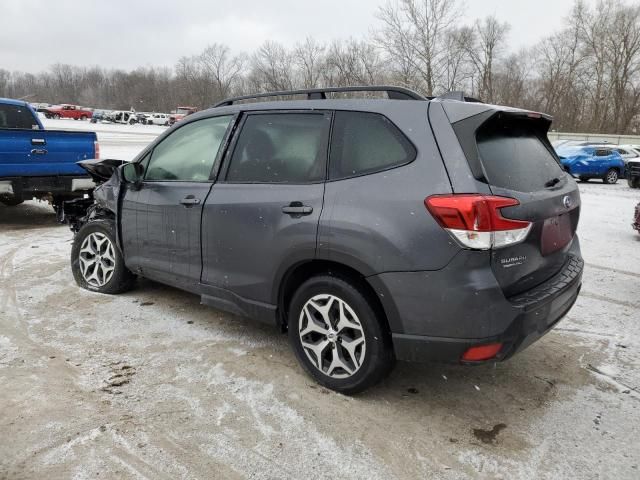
(566, 201)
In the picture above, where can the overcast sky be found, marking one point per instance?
(35, 34)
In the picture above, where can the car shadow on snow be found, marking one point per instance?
(28, 215)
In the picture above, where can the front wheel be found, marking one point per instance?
(611, 176)
(634, 182)
(338, 334)
(96, 261)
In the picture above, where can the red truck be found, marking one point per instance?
(68, 111)
(181, 112)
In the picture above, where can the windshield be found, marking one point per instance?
(183, 111)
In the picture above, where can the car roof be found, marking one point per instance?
(11, 101)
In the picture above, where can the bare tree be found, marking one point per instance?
(272, 67)
(308, 58)
(221, 69)
(487, 44)
(414, 32)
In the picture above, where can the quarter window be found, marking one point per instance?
(365, 143)
(281, 148)
(189, 152)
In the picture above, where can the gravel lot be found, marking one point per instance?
(153, 385)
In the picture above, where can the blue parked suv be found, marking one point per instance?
(368, 229)
(586, 162)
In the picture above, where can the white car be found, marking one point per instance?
(157, 118)
(627, 152)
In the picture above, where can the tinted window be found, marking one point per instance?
(280, 148)
(366, 142)
(188, 153)
(515, 157)
(602, 153)
(14, 116)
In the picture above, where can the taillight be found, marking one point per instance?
(475, 220)
(96, 147)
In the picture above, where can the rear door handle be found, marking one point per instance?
(297, 208)
(189, 201)
(38, 151)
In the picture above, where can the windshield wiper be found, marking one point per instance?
(552, 183)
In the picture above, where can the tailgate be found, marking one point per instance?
(510, 152)
(44, 152)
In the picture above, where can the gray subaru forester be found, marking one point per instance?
(370, 230)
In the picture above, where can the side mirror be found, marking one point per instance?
(132, 172)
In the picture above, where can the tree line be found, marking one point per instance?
(587, 74)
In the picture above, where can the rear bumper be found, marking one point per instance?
(68, 185)
(455, 318)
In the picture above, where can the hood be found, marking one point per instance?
(101, 170)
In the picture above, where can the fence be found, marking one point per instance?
(596, 137)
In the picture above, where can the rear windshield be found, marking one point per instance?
(15, 116)
(514, 156)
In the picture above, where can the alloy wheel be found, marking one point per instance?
(612, 176)
(332, 336)
(97, 259)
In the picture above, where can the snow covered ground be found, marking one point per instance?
(116, 141)
(151, 384)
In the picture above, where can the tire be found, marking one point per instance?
(611, 177)
(90, 242)
(338, 369)
(11, 201)
(633, 182)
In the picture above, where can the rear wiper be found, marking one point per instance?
(551, 183)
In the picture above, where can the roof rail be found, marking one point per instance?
(394, 93)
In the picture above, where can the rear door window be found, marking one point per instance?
(281, 148)
(15, 116)
(515, 157)
(364, 143)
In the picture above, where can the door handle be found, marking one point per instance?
(38, 151)
(38, 141)
(297, 209)
(189, 201)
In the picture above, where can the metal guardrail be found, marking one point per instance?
(596, 137)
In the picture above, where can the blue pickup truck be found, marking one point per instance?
(40, 163)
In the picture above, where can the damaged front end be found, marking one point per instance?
(103, 201)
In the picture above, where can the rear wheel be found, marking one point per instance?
(338, 335)
(611, 176)
(96, 261)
